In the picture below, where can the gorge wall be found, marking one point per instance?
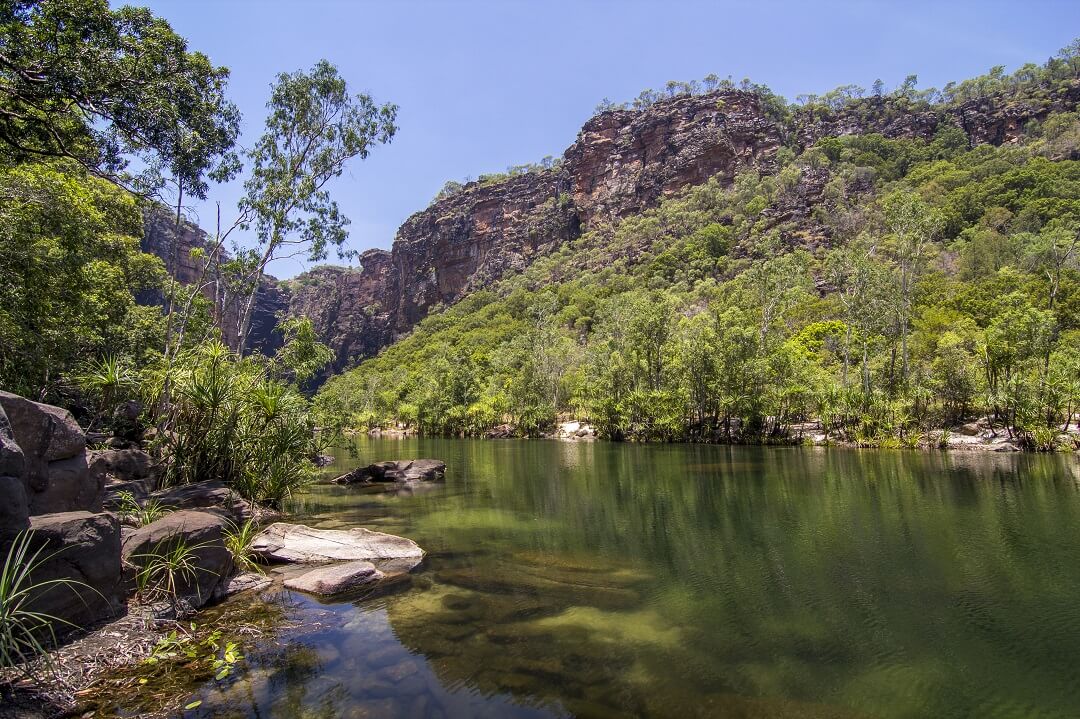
(622, 162)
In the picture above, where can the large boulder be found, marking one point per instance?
(336, 578)
(85, 548)
(282, 542)
(202, 533)
(401, 470)
(55, 476)
(121, 465)
(14, 505)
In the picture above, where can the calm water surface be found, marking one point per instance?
(605, 580)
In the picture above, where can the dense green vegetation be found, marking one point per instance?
(886, 287)
(103, 112)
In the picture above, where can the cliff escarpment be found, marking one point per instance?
(623, 162)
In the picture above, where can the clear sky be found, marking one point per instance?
(486, 84)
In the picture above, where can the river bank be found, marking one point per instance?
(980, 434)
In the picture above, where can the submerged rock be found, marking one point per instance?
(401, 470)
(336, 578)
(248, 581)
(283, 542)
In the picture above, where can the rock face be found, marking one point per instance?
(336, 578)
(174, 244)
(623, 162)
(282, 542)
(83, 547)
(402, 470)
(203, 533)
(55, 474)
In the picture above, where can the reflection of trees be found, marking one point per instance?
(799, 573)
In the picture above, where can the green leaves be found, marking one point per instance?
(70, 266)
(99, 86)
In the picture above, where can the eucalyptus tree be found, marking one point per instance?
(911, 225)
(313, 129)
(103, 87)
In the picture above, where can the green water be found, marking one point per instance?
(606, 580)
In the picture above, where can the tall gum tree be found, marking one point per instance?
(314, 127)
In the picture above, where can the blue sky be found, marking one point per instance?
(486, 84)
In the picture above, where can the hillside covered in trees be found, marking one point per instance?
(899, 263)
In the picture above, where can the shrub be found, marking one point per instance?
(226, 417)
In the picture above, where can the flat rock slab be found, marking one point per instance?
(336, 578)
(283, 542)
(399, 470)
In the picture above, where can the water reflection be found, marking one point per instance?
(616, 580)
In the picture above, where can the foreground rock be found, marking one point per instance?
(401, 471)
(282, 542)
(55, 475)
(202, 533)
(14, 505)
(85, 548)
(336, 578)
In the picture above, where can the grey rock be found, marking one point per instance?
(43, 431)
(336, 578)
(401, 470)
(55, 474)
(246, 582)
(211, 495)
(14, 508)
(203, 532)
(12, 462)
(85, 548)
(283, 542)
(69, 487)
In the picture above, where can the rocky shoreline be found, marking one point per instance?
(121, 563)
(978, 435)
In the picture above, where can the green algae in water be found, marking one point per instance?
(604, 580)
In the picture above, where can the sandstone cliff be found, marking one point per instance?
(622, 162)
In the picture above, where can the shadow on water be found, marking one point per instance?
(595, 580)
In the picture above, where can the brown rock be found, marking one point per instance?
(335, 578)
(55, 474)
(402, 470)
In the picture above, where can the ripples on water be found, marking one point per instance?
(604, 580)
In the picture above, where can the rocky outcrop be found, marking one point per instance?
(209, 495)
(345, 305)
(623, 162)
(55, 474)
(402, 470)
(282, 542)
(203, 534)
